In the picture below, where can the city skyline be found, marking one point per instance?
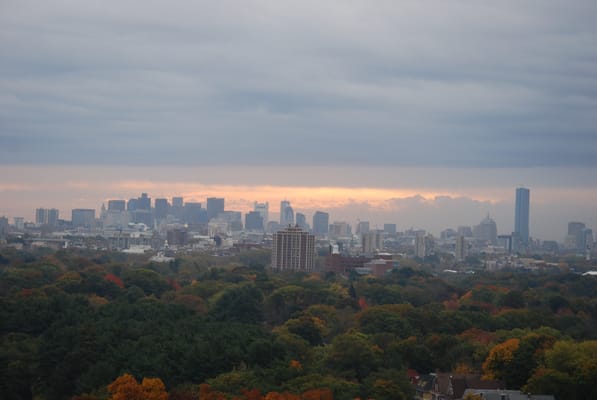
(423, 114)
(433, 213)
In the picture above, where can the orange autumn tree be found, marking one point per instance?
(126, 387)
(205, 393)
(154, 389)
(318, 394)
(500, 359)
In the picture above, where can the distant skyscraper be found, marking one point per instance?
(161, 208)
(293, 250)
(301, 221)
(192, 213)
(588, 240)
(215, 206)
(19, 223)
(3, 227)
(424, 245)
(53, 215)
(41, 216)
(263, 209)
(521, 216)
(177, 209)
(465, 231)
(461, 249)
(254, 221)
(177, 202)
(46, 216)
(83, 218)
(321, 223)
(144, 202)
(486, 231)
(372, 242)
(286, 214)
(389, 229)
(116, 205)
(362, 227)
(576, 237)
(339, 229)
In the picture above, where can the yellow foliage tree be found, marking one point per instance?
(499, 359)
(154, 389)
(125, 387)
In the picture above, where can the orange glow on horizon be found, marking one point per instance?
(242, 197)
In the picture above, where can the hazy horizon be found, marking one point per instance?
(407, 197)
(424, 114)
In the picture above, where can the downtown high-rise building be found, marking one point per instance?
(301, 221)
(321, 223)
(83, 218)
(486, 232)
(576, 237)
(254, 221)
(263, 210)
(286, 214)
(215, 206)
(161, 208)
(116, 205)
(371, 242)
(521, 216)
(293, 250)
(46, 216)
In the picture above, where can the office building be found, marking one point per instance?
(301, 221)
(321, 222)
(140, 203)
(53, 215)
(161, 208)
(19, 223)
(215, 205)
(424, 245)
(177, 202)
(41, 216)
(575, 239)
(293, 250)
(465, 231)
(3, 227)
(521, 216)
(46, 216)
(177, 209)
(83, 218)
(286, 214)
(461, 249)
(362, 227)
(338, 229)
(140, 209)
(588, 240)
(254, 221)
(193, 213)
(263, 210)
(233, 218)
(486, 231)
(389, 229)
(116, 205)
(372, 242)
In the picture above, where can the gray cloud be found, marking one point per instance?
(261, 82)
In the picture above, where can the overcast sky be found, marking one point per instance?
(506, 86)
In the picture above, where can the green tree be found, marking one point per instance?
(239, 304)
(353, 356)
(388, 384)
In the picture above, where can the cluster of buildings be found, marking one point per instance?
(172, 225)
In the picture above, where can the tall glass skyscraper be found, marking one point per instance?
(521, 215)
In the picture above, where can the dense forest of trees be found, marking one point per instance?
(95, 325)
